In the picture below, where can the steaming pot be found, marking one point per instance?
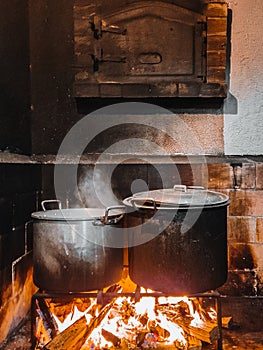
(73, 249)
(178, 239)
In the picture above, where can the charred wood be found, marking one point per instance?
(47, 318)
(75, 336)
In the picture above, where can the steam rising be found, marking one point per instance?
(95, 187)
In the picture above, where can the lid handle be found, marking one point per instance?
(43, 203)
(143, 201)
(196, 187)
(182, 188)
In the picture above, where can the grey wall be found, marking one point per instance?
(243, 131)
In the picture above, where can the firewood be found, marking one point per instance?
(140, 338)
(166, 346)
(125, 344)
(41, 334)
(194, 343)
(111, 337)
(75, 335)
(143, 319)
(207, 332)
(71, 338)
(227, 322)
(155, 328)
(47, 318)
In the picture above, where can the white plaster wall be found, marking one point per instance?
(243, 132)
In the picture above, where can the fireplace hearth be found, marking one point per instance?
(246, 332)
(145, 320)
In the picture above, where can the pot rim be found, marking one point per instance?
(79, 214)
(178, 197)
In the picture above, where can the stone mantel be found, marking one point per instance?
(11, 158)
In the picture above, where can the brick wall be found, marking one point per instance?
(245, 229)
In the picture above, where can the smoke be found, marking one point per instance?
(95, 186)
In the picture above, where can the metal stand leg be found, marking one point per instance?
(219, 322)
(33, 321)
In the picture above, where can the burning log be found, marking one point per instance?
(111, 337)
(194, 343)
(71, 338)
(140, 338)
(41, 333)
(207, 332)
(75, 336)
(227, 322)
(160, 331)
(127, 324)
(47, 318)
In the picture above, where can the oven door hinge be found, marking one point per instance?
(99, 26)
(99, 57)
(201, 49)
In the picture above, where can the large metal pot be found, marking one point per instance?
(73, 249)
(189, 255)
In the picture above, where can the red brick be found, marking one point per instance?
(216, 75)
(260, 284)
(256, 250)
(241, 229)
(214, 1)
(216, 58)
(216, 43)
(216, 26)
(220, 176)
(248, 175)
(259, 230)
(259, 175)
(240, 257)
(240, 283)
(216, 10)
(246, 203)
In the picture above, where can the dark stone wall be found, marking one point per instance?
(51, 53)
(20, 187)
(14, 72)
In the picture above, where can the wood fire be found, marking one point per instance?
(152, 322)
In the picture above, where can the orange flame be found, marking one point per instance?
(145, 324)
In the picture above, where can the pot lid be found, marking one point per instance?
(78, 214)
(178, 196)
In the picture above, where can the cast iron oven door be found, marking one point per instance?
(143, 49)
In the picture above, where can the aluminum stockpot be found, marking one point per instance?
(189, 255)
(77, 249)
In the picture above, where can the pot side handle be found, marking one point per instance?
(43, 203)
(105, 220)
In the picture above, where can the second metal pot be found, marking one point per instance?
(190, 254)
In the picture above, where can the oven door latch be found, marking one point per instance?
(99, 26)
